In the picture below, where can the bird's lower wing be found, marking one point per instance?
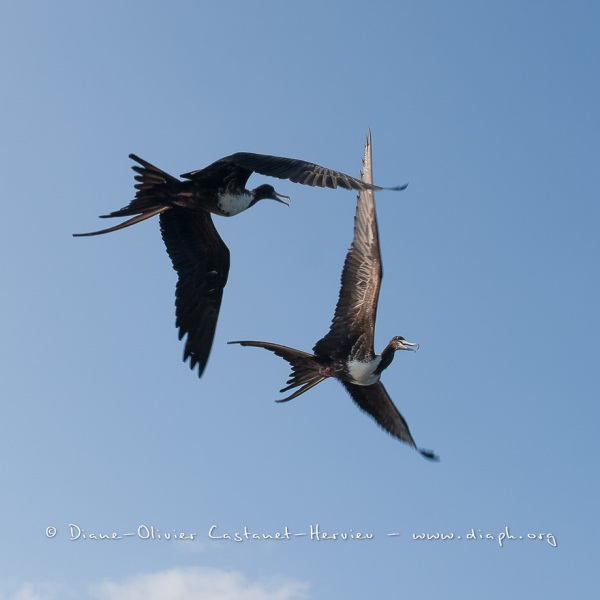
(374, 400)
(201, 260)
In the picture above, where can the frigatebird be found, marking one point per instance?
(199, 255)
(346, 352)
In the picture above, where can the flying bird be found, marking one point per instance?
(346, 352)
(199, 255)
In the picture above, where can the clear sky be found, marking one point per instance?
(490, 112)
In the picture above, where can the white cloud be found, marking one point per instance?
(174, 584)
(37, 591)
(199, 584)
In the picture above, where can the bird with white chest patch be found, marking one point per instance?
(346, 352)
(199, 255)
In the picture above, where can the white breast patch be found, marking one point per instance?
(362, 373)
(231, 204)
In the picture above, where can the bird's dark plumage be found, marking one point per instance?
(201, 260)
(239, 166)
(375, 401)
(346, 351)
(199, 255)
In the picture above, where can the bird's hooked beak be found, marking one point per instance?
(406, 345)
(281, 198)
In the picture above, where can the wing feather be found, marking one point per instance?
(298, 171)
(375, 401)
(201, 260)
(353, 326)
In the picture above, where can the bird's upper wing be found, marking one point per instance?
(298, 171)
(353, 325)
(374, 400)
(223, 173)
(201, 260)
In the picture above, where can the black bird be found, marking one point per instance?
(346, 352)
(199, 255)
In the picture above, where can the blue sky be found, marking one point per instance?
(490, 112)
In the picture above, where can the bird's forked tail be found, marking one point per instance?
(154, 188)
(305, 367)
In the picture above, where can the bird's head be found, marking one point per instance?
(399, 343)
(396, 343)
(267, 192)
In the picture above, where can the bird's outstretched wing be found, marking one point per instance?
(201, 260)
(298, 171)
(374, 400)
(353, 325)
